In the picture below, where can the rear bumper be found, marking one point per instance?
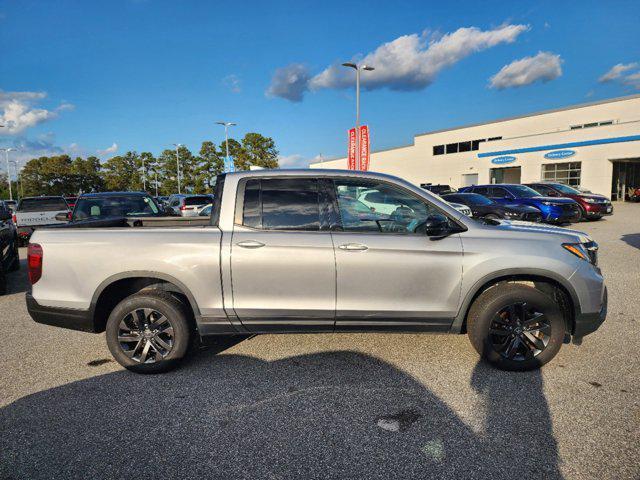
(60, 317)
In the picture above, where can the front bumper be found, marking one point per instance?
(60, 317)
(562, 214)
(598, 209)
(587, 323)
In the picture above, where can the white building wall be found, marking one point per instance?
(417, 163)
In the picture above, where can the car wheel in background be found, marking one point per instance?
(493, 216)
(149, 332)
(515, 327)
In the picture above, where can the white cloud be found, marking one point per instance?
(410, 62)
(543, 67)
(19, 111)
(632, 80)
(109, 150)
(233, 83)
(289, 82)
(616, 71)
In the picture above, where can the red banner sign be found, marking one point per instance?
(352, 149)
(363, 155)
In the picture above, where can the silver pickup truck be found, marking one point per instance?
(296, 252)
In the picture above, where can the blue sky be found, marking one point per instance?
(86, 77)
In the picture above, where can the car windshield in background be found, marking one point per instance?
(42, 205)
(114, 206)
(199, 200)
(523, 192)
(469, 199)
(566, 189)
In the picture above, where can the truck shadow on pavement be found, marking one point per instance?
(338, 414)
(632, 239)
(18, 282)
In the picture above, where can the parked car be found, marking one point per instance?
(277, 257)
(11, 204)
(206, 211)
(553, 209)
(483, 207)
(592, 206)
(9, 258)
(438, 189)
(94, 206)
(36, 212)
(189, 205)
(635, 195)
(461, 207)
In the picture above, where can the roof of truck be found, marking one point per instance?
(112, 194)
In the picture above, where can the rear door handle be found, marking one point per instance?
(353, 247)
(250, 244)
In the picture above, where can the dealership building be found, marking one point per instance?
(595, 146)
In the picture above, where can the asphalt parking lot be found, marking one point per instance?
(326, 406)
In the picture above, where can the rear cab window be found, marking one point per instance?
(199, 200)
(45, 204)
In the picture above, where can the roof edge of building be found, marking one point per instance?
(534, 114)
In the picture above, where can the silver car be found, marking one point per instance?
(188, 205)
(299, 251)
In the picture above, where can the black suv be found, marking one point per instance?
(484, 207)
(10, 260)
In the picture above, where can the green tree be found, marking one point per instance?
(168, 166)
(122, 172)
(87, 175)
(259, 151)
(48, 176)
(210, 164)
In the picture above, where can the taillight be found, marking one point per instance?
(184, 207)
(15, 219)
(34, 262)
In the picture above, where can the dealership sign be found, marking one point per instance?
(352, 149)
(503, 160)
(363, 156)
(558, 154)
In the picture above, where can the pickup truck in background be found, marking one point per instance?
(36, 212)
(286, 252)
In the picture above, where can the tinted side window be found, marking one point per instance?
(498, 192)
(290, 204)
(282, 204)
(481, 190)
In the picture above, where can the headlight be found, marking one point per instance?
(547, 203)
(590, 200)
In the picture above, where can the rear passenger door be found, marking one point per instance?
(282, 259)
(500, 195)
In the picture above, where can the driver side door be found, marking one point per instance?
(389, 277)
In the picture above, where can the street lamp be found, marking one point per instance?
(226, 142)
(155, 174)
(18, 176)
(358, 69)
(6, 157)
(178, 145)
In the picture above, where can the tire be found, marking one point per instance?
(493, 216)
(3, 281)
(490, 327)
(144, 352)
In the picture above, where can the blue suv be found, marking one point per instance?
(554, 209)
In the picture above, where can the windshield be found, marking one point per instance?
(469, 199)
(199, 200)
(50, 204)
(565, 189)
(523, 192)
(114, 206)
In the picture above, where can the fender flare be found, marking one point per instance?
(493, 277)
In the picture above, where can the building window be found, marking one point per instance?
(492, 139)
(475, 145)
(592, 124)
(452, 148)
(567, 173)
(464, 147)
(438, 150)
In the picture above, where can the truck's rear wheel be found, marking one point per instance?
(148, 332)
(515, 327)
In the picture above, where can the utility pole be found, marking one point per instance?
(6, 157)
(144, 176)
(358, 68)
(226, 143)
(156, 177)
(178, 145)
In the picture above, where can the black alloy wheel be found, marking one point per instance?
(146, 335)
(519, 332)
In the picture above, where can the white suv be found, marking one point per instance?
(189, 205)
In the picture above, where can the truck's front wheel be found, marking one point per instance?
(148, 332)
(515, 327)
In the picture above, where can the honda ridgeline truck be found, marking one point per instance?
(289, 252)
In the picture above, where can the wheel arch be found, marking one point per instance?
(570, 307)
(117, 287)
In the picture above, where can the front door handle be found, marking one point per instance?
(353, 247)
(250, 244)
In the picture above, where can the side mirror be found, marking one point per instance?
(63, 217)
(436, 225)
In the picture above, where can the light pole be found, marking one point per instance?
(226, 142)
(6, 157)
(155, 174)
(144, 176)
(18, 179)
(178, 145)
(358, 69)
